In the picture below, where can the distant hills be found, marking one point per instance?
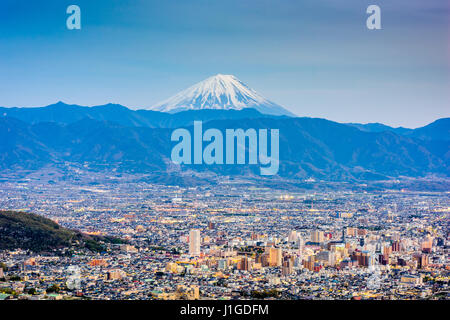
(65, 113)
(28, 231)
(115, 137)
(379, 127)
(437, 130)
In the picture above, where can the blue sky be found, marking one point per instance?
(315, 57)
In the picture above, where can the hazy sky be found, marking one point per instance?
(315, 57)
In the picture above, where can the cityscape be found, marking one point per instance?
(232, 241)
(205, 159)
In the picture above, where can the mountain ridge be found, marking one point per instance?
(439, 129)
(309, 147)
(65, 113)
(61, 112)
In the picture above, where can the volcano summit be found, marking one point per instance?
(224, 92)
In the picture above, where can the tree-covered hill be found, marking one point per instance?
(30, 231)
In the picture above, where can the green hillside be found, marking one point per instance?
(29, 231)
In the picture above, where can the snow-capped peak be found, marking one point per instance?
(224, 92)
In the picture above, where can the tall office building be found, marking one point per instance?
(317, 236)
(194, 242)
(275, 256)
(245, 264)
(363, 258)
(427, 245)
(292, 236)
(222, 264)
(422, 261)
(287, 266)
(300, 245)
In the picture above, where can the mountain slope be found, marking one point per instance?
(29, 231)
(308, 148)
(437, 130)
(18, 144)
(331, 151)
(224, 92)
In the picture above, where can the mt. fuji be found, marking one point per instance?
(224, 92)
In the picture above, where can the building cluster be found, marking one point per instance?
(232, 241)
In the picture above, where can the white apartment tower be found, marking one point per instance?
(194, 242)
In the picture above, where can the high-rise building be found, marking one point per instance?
(287, 266)
(422, 261)
(427, 245)
(396, 246)
(362, 258)
(317, 236)
(222, 264)
(387, 250)
(275, 255)
(245, 264)
(264, 259)
(309, 263)
(327, 257)
(300, 245)
(292, 236)
(194, 242)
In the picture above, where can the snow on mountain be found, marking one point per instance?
(224, 92)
